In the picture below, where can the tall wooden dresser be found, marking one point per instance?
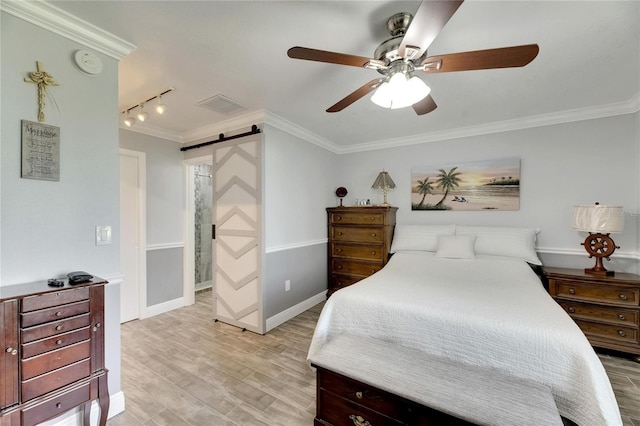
(52, 359)
(359, 242)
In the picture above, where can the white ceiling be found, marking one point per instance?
(588, 61)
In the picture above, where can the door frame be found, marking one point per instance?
(142, 227)
(189, 286)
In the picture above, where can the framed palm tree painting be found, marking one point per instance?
(480, 185)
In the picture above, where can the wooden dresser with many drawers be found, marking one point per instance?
(52, 358)
(606, 308)
(359, 242)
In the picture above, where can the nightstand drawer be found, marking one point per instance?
(369, 252)
(353, 218)
(339, 411)
(597, 293)
(364, 235)
(613, 315)
(615, 332)
(356, 268)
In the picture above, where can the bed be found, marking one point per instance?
(469, 294)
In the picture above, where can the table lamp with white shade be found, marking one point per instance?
(599, 221)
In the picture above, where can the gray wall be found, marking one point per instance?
(165, 204)
(48, 228)
(561, 166)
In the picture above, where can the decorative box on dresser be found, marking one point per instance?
(606, 308)
(52, 357)
(359, 242)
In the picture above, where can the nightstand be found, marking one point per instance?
(606, 308)
(359, 242)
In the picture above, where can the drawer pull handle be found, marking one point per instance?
(622, 317)
(59, 342)
(359, 395)
(12, 351)
(339, 233)
(373, 234)
(622, 333)
(339, 266)
(373, 252)
(339, 218)
(339, 250)
(623, 297)
(571, 310)
(58, 327)
(572, 291)
(359, 420)
(372, 218)
(58, 405)
(58, 313)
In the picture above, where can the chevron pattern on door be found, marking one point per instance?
(237, 195)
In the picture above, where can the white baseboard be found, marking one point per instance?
(74, 418)
(161, 308)
(295, 310)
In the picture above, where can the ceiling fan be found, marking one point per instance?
(406, 52)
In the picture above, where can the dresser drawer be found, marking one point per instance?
(40, 364)
(369, 252)
(54, 328)
(56, 379)
(55, 406)
(628, 317)
(357, 234)
(597, 293)
(55, 342)
(339, 411)
(59, 312)
(608, 331)
(33, 303)
(341, 281)
(354, 267)
(353, 218)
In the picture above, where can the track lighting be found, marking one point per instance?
(142, 115)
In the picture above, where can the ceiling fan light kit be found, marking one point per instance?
(406, 52)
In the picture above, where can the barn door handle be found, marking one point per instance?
(213, 232)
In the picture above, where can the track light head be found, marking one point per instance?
(142, 115)
(160, 106)
(129, 121)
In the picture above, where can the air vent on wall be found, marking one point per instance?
(222, 105)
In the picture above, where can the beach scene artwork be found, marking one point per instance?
(480, 185)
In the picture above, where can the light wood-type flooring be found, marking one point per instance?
(181, 368)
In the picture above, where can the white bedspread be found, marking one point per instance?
(489, 312)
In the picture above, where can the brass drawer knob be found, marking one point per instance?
(12, 351)
(622, 333)
(373, 234)
(572, 291)
(572, 310)
(58, 405)
(359, 395)
(339, 266)
(338, 217)
(373, 252)
(339, 251)
(621, 317)
(59, 342)
(58, 327)
(339, 233)
(623, 297)
(58, 313)
(359, 420)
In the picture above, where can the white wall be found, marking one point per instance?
(561, 166)
(48, 228)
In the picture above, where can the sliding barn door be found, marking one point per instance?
(237, 217)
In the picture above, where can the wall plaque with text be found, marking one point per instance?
(40, 151)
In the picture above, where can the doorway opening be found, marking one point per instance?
(202, 229)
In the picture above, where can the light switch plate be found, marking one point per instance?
(103, 235)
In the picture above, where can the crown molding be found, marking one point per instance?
(295, 130)
(51, 18)
(158, 132)
(580, 114)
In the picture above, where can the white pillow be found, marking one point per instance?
(505, 241)
(456, 246)
(419, 237)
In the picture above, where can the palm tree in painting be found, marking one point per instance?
(424, 187)
(447, 181)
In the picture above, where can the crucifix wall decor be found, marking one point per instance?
(42, 79)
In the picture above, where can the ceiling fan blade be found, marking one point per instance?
(355, 95)
(325, 56)
(425, 106)
(505, 57)
(428, 21)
